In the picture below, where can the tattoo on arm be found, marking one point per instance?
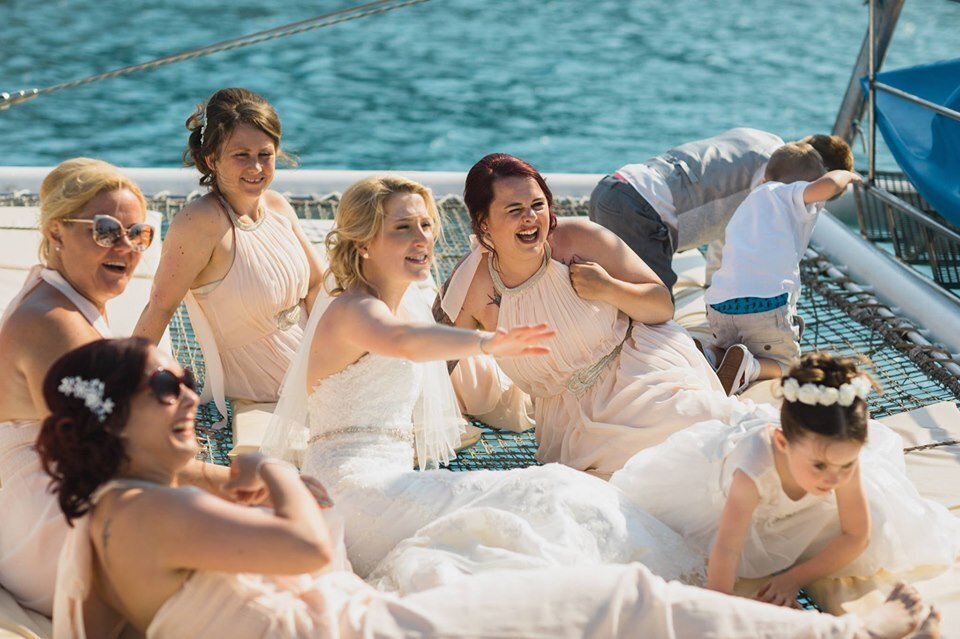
(494, 299)
(105, 535)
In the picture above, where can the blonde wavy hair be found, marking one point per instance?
(70, 187)
(359, 221)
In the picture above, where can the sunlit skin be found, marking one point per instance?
(245, 167)
(97, 273)
(405, 243)
(518, 225)
(814, 464)
(159, 438)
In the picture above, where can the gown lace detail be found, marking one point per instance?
(407, 531)
(907, 530)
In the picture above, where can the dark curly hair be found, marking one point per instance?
(224, 111)
(76, 449)
(835, 421)
(478, 188)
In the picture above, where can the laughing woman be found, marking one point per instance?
(621, 376)
(237, 255)
(175, 562)
(92, 222)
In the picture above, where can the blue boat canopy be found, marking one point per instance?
(925, 144)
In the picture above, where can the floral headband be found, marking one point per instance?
(91, 392)
(813, 394)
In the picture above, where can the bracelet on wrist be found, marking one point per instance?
(484, 338)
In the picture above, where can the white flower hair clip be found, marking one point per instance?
(813, 394)
(91, 392)
(203, 124)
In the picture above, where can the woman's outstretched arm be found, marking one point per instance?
(368, 324)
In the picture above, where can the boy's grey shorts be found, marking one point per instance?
(773, 334)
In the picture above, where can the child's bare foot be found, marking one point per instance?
(930, 628)
(898, 617)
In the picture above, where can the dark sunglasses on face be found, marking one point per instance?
(165, 384)
(107, 231)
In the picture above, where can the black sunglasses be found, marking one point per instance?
(165, 384)
(107, 231)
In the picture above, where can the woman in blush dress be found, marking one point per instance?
(621, 375)
(92, 220)
(176, 562)
(237, 256)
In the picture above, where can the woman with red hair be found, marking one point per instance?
(621, 376)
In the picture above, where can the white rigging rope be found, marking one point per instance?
(336, 17)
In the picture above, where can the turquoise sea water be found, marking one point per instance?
(571, 85)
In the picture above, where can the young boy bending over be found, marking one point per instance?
(752, 298)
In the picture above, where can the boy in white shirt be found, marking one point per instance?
(751, 302)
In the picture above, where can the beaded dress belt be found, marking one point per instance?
(581, 381)
(288, 317)
(402, 434)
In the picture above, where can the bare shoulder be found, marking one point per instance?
(579, 236)
(346, 309)
(204, 218)
(125, 509)
(278, 203)
(45, 322)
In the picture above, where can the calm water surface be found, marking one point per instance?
(580, 86)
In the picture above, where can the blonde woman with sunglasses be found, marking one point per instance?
(92, 220)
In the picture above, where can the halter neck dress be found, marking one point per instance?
(609, 387)
(31, 524)
(607, 601)
(250, 323)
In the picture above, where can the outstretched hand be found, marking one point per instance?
(519, 340)
(780, 591)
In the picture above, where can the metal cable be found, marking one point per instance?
(336, 17)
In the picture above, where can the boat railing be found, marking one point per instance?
(890, 212)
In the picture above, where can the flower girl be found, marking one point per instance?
(820, 491)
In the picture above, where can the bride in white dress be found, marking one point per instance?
(370, 407)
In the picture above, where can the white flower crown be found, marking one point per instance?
(813, 394)
(91, 392)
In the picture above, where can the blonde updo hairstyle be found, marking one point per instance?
(70, 187)
(359, 221)
(843, 423)
(212, 123)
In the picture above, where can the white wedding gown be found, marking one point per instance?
(407, 531)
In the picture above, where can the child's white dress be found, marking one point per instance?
(685, 480)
